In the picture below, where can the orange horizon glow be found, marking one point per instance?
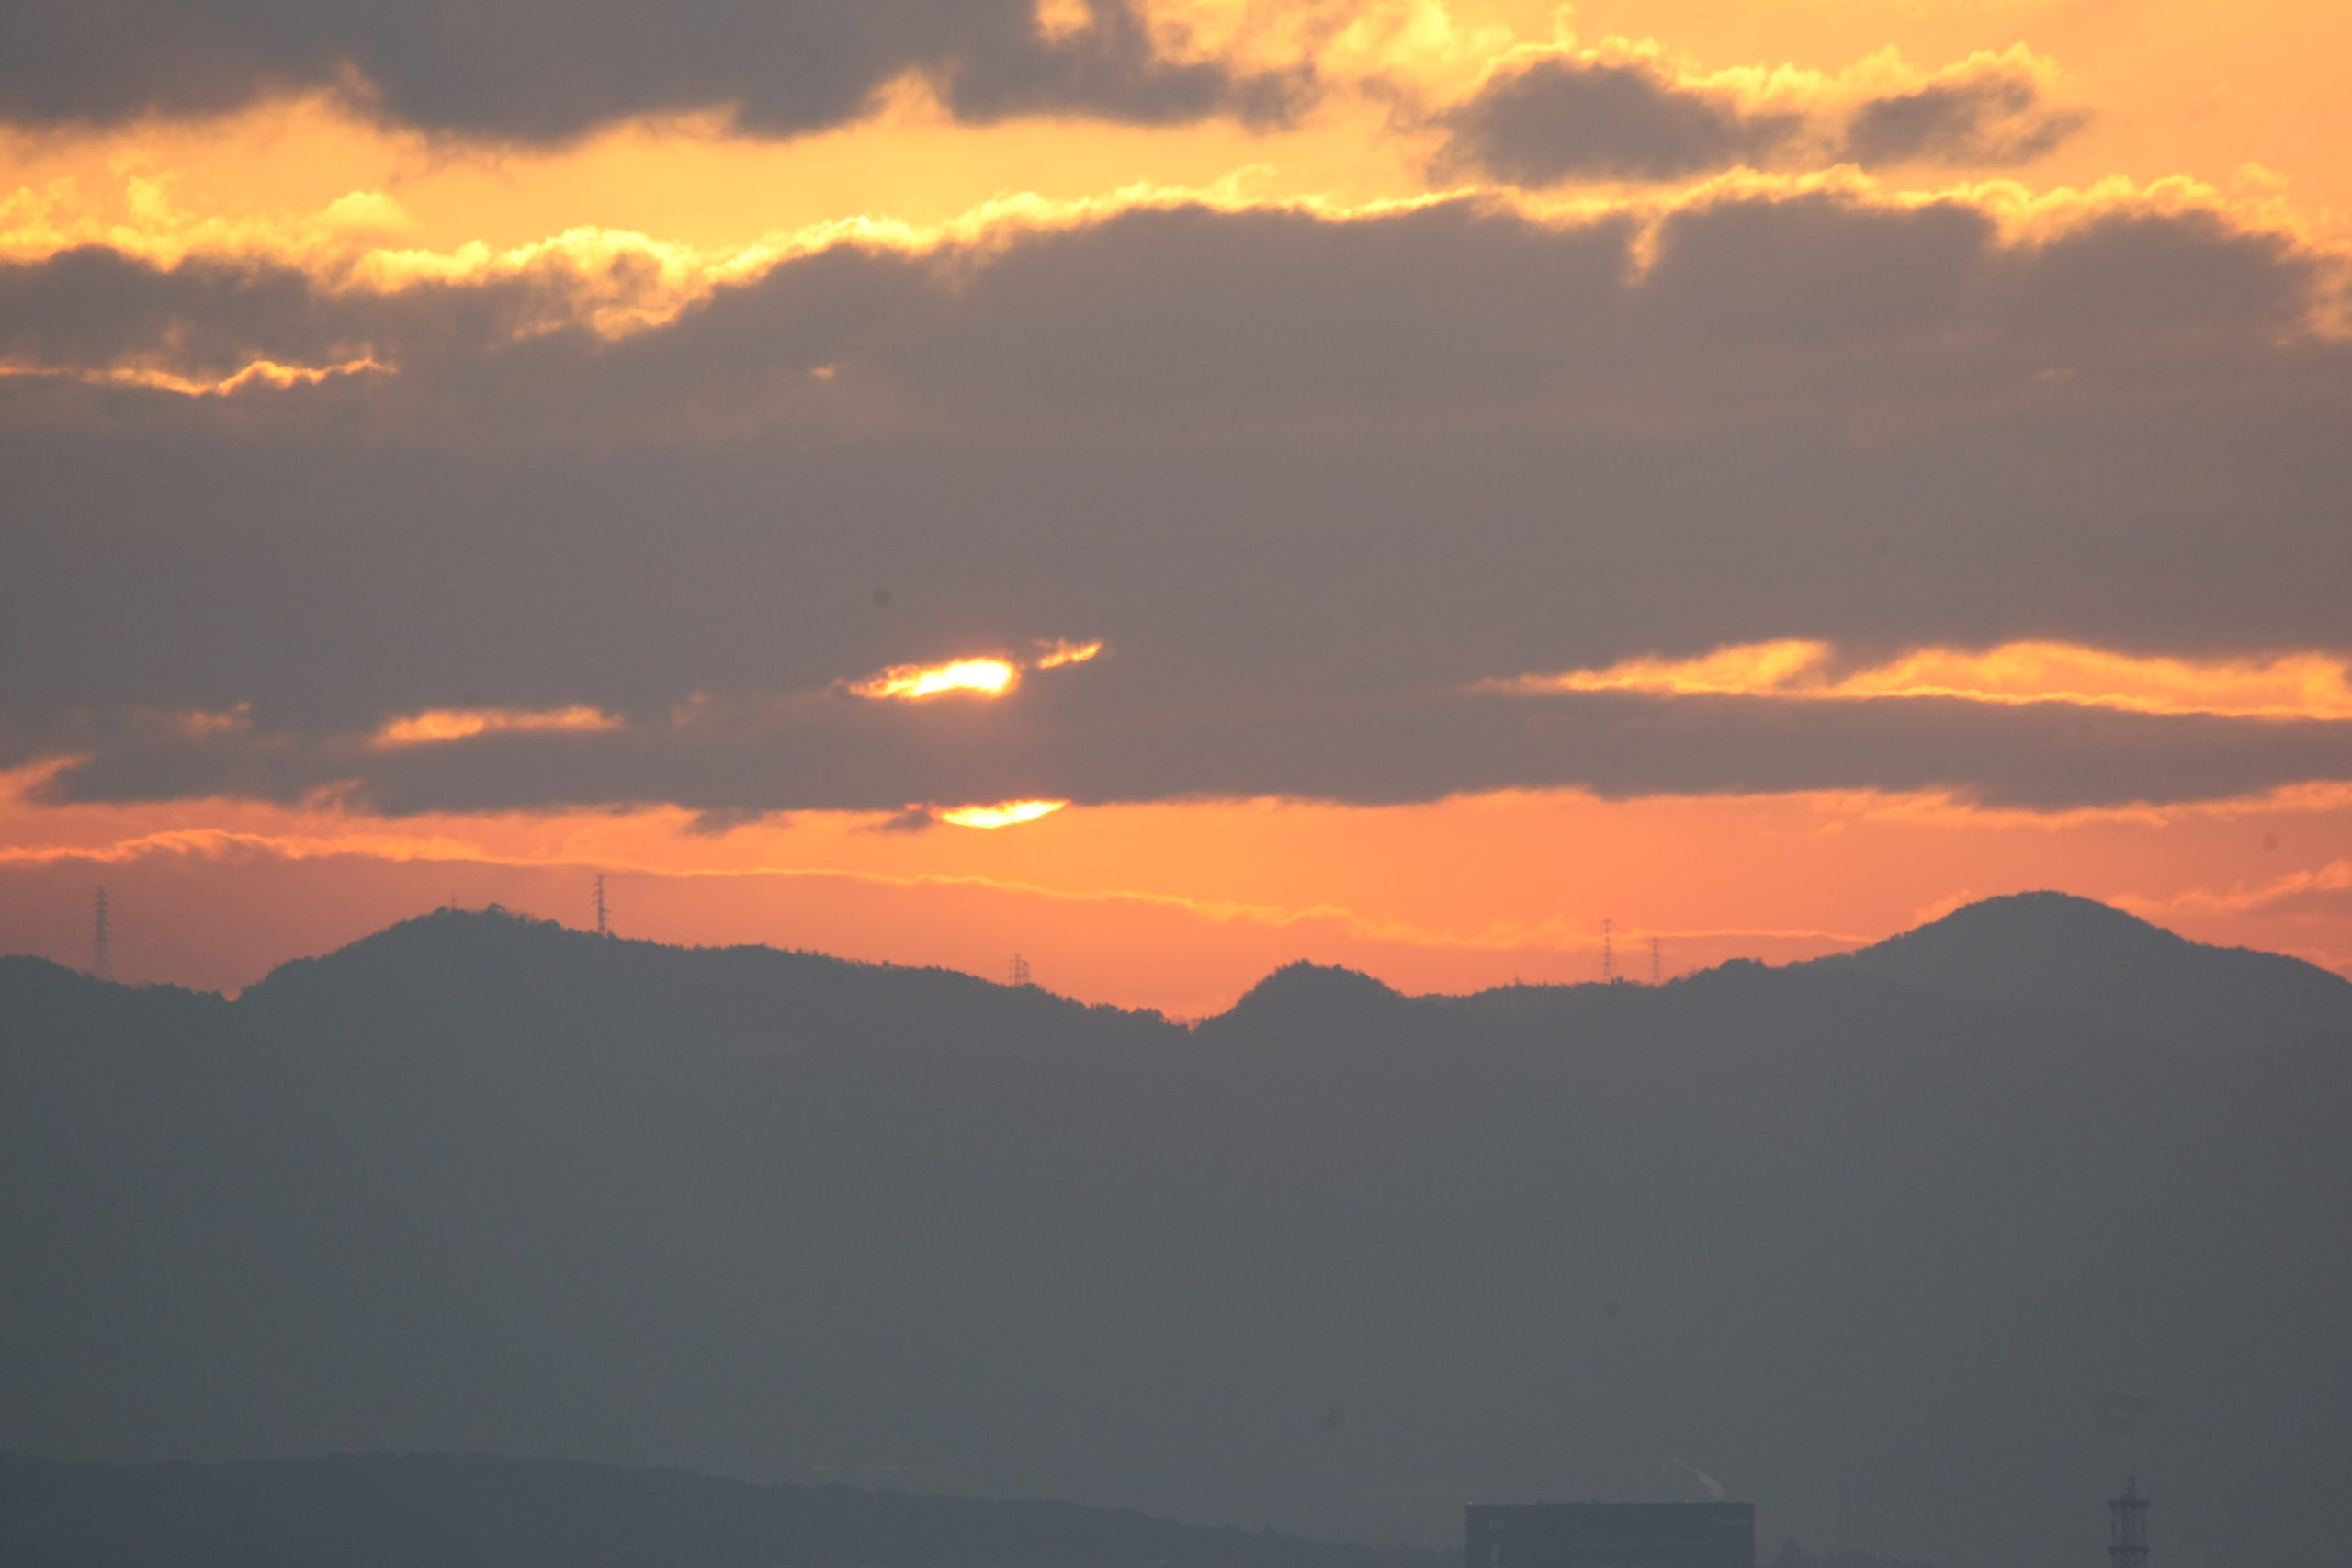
(2308, 686)
(1178, 905)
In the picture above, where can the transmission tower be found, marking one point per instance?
(102, 940)
(1609, 953)
(1020, 970)
(603, 916)
(1654, 965)
(2127, 1528)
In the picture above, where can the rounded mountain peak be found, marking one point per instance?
(2057, 950)
(1304, 990)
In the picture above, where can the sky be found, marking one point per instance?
(1471, 492)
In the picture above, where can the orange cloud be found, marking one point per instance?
(2331, 882)
(2297, 685)
(1056, 654)
(1058, 20)
(1756, 669)
(438, 726)
(259, 373)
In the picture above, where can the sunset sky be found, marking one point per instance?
(1170, 487)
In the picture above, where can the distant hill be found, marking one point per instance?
(2058, 953)
(1922, 1248)
(445, 1511)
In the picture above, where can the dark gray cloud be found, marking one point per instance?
(1072, 738)
(1283, 464)
(2185, 273)
(1983, 120)
(544, 71)
(1561, 118)
(210, 317)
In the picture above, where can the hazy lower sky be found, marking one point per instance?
(1171, 485)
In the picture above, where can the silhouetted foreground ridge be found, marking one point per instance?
(1920, 1248)
(440, 1511)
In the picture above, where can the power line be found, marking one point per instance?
(1609, 953)
(1653, 961)
(604, 914)
(1020, 970)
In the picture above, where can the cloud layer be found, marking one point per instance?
(534, 71)
(1313, 479)
(838, 756)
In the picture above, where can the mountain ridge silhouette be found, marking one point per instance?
(1872, 1239)
(2034, 949)
(474, 1511)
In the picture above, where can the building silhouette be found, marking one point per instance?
(1611, 1535)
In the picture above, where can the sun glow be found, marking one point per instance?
(2296, 685)
(912, 682)
(1004, 814)
(989, 675)
(438, 726)
(1177, 904)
